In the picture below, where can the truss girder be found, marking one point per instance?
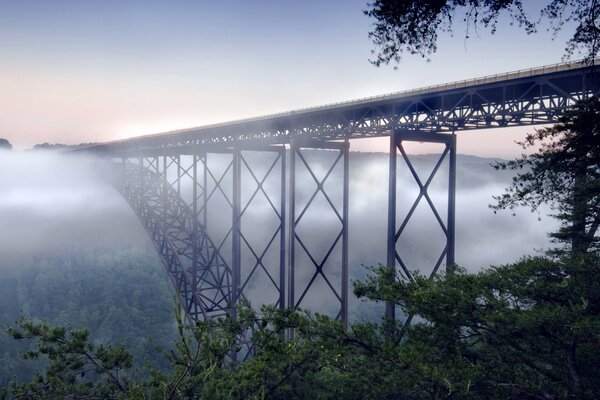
(208, 286)
(199, 273)
(530, 100)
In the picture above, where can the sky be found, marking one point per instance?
(76, 71)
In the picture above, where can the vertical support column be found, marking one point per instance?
(344, 311)
(236, 229)
(390, 308)
(179, 174)
(195, 235)
(165, 185)
(451, 223)
(204, 159)
(123, 172)
(142, 175)
(282, 244)
(292, 220)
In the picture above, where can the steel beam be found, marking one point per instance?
(513, 99)
(236, 228)
(451, 222)
(395, 231)
(258, 186)
(390, 309)
(340, 211)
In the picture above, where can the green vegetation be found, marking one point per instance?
(527, 330)
(565, 173)
(121, 295)
(412, 27)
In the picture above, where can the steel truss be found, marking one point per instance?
(512, 99)
(207, 284)
(257, 260)
(326, 267)
(199, 274)
(238, 184)
(174, 197)
(395, 230)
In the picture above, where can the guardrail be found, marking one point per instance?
(523, 73)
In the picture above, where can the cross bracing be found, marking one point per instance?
(174, 198)
(197, 270)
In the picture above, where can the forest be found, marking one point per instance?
(121, 295)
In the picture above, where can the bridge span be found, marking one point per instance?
(170, 178)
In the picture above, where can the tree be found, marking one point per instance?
(413, 26)
(48, 146)
(5, 144)
(528, 330)
(77, 368)
(565, 173)
(523, 331)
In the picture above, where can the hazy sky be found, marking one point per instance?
(76, 71)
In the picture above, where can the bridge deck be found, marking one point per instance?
(525, 97)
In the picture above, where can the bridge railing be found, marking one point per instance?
(523, 73)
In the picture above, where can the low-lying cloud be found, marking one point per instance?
(51, 202)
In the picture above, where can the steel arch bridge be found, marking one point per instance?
(170, 179)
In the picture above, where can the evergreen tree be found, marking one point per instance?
(565, 173)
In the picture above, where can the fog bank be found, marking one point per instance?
(55, 203)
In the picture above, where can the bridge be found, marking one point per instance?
(171, 181)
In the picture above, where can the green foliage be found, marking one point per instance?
(122, 295)
(77, 368)
(412, 26)
(523, 331)
(565, 173)
(527, 330)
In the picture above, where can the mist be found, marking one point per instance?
(51, 203)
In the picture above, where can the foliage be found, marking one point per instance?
(77, 367)
(48, 146)
(565, 173)
(522, 331)
(527, 330)
(5, 144)
(412, 26)
(119, 293)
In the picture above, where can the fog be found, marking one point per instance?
(52, 204)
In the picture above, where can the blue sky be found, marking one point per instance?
(81, 71)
